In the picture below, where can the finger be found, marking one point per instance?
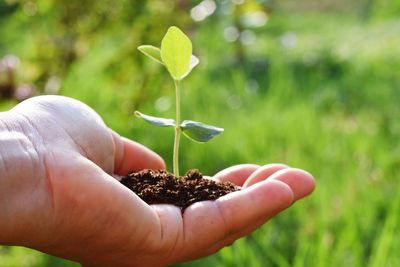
(231, 213)
(263, 173)
(229, 240)
(131, 156)
(306, 186)
(236, 174)
(301, 182)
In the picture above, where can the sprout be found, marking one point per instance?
(176, 55)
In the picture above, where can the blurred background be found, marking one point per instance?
(314, 84)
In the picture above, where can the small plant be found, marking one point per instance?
(176, 55)
(160, 186)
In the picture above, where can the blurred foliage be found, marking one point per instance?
(311, 83)
(51, 35)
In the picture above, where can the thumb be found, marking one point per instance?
(132, 156)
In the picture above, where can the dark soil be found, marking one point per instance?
(162, 187)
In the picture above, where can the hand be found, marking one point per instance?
(64, 200)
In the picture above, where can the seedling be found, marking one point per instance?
(176, 55)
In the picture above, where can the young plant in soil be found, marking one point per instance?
(161, 186)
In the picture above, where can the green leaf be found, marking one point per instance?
(155, 120)
(152, 52)
(198, 131)
(176, 51)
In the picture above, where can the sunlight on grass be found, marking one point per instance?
(327, 103)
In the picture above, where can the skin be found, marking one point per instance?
(58, 194)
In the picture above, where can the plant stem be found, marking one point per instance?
(177, 128)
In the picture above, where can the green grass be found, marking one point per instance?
(19, 256)
(328, 105)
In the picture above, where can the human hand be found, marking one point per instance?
(65, 201)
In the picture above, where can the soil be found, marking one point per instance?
(162, 187)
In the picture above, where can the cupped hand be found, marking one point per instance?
(73, 207)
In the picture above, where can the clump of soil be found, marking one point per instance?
(162, 187)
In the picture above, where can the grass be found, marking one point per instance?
(328, 105)
(19, 256)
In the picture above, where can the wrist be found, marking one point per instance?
(19, 173)
(14, 145)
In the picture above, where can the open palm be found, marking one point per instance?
(78, 210)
